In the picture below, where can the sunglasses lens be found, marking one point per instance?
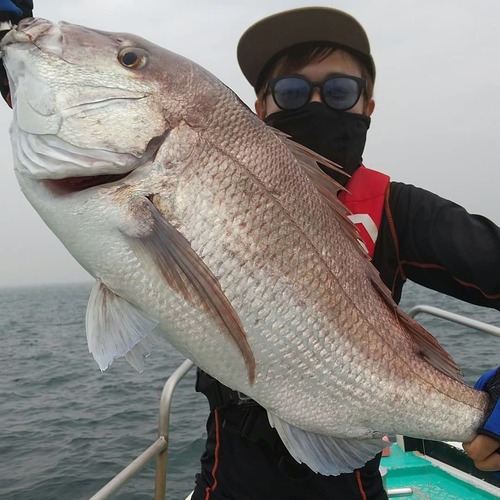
(291, 92)
(341, 93)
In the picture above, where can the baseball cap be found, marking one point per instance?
(263, 42)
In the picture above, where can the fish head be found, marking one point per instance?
(89, 103)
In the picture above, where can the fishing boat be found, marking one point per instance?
(411, 468)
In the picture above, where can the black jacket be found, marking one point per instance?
(437, 244)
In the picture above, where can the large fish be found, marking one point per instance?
(198, 222)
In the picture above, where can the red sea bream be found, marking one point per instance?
(199, 224)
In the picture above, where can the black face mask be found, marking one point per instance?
(338, 135)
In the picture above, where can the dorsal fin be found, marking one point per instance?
(429, 347)
(326, 185)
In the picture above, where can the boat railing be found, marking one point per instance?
(455, 318)
(159, 448)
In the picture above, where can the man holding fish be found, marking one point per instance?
(313, 74)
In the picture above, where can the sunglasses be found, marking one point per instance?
(339, 92)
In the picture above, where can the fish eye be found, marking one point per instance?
(133, 58)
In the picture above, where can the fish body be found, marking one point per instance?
(201, 225)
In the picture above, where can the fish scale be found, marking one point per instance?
(282, 242)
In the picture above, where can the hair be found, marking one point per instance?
(296, 57)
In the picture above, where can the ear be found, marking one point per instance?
(260, 108)
(370, 106)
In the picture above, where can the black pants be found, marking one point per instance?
(246, 464)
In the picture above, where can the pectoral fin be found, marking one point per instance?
(164, 248)
(326, 455)
(115, 328)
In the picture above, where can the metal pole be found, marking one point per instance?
(456, 318)
(399, 492)
(163, 424)
(131, 470)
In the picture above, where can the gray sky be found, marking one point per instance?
(436, 121)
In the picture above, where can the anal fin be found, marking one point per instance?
(326, 455)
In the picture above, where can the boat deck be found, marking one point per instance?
(412, 476)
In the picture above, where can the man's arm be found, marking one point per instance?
(443, 247)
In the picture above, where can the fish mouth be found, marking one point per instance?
(76, 184)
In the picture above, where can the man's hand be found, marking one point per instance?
(11, 12)
(15, 10)
(484, 451)
(485, 448)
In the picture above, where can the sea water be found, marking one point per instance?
(66, 428)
